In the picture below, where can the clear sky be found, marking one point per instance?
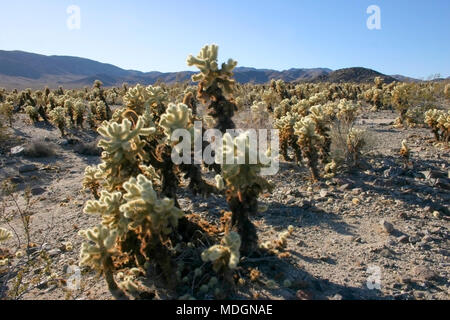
(414, 39)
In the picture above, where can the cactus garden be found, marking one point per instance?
(94, 206)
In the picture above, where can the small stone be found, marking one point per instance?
(355, 201)
(344, 187)
(54, 252)
(387, 227)
(16, 151)
(16, 179)
(403, 239)
(304, 295)
(37, 191)
(27, 168)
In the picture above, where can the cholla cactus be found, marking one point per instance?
(5, 234)
(78, 112)
(225, 255)
(206, 62)
(355, 142)
(99, 249)
(6, 109)
(401, 101)
(346, 112)
(213, 84)
(439, 122)
(176, 117)
(97, 253)
(243, 185)
(101, 111)
(322, 125)
(287, 137)
(57, 117)
(405, 152)
(91, 179)
(143, 206)
(308, 139)
(107, 206)
(122, 147)
(32, 113)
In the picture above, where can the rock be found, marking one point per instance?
(386, 226)
(337, 296)
(37, 191)
(16, 179)
(54, 252)
(423, 273)
(27, 168)
(304, 295)
(403, 239)
(344, 187)
(42, 285)
(392, 172)
(17, 151)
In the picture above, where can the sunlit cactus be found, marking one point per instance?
(122, 147)
(355, 143)
(308, 140)
(6, 110)
(287, 137)
(57, 117)
(243, 185)
(224, 255)
(401, 101)
(32, 113)
(5, 234)
(78, 112)
(176, 117)
(143, 206)
(206, 62)
(214, 84)
(92, 176)
(439, 122)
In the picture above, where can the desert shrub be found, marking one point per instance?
(88, 149)
(39, 149)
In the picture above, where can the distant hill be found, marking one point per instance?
(356, 74)
(20, 70)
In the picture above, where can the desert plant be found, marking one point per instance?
(214, 84)
(225, 255)
(78, 113)
(57, 117)
(243, 184)
(6, 110)
(355, 143)
(32, 113)
(308, 140)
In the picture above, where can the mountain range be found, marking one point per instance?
(21, 70)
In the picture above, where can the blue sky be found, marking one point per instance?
(414, 39)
